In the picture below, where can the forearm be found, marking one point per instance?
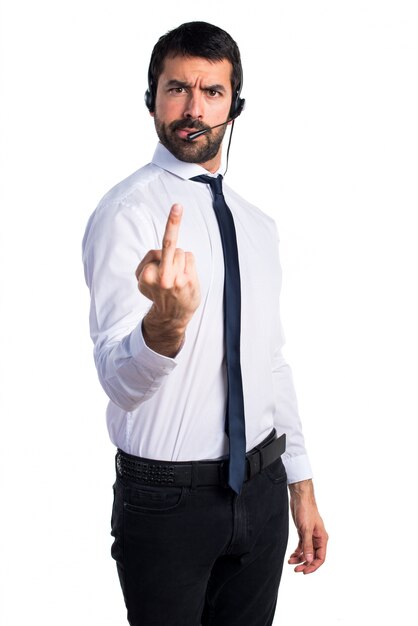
(164, 336)
(303, 490)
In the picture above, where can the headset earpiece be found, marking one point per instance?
(237, 107)
(149, 95)
(238, 103)
(149, 101)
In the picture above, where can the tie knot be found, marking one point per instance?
(214, 182)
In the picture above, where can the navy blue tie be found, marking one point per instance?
(234, 420)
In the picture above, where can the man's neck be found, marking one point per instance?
(213, 165)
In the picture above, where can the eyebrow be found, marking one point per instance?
(181, 83)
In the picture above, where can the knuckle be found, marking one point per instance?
(147, 275)
(165, 283)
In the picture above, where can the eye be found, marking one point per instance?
(213, 93)
(177, 90)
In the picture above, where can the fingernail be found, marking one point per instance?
(176, 209)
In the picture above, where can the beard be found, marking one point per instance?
(189, 151)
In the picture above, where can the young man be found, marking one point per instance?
(201, 400)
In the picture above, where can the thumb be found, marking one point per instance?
(307, 547)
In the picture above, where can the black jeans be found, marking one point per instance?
(206, 556)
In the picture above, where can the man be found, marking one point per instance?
(201, 400)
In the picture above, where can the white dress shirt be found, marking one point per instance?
(173, 409)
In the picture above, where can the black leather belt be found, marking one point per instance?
(196, 473)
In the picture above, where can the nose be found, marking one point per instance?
(194, 106)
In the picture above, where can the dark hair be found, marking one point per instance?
(193, 39)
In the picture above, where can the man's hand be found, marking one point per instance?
(168, 278)
(311, 550)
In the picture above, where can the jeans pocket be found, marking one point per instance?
(147, 498)
(276, 472)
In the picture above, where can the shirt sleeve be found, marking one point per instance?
(117, 237)
(287, 419)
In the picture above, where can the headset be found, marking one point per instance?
(237, 105)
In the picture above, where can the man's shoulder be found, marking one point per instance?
(121, 204)
(123, 191)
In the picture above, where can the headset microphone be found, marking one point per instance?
(192, 136)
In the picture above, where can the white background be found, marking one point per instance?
(329, 133)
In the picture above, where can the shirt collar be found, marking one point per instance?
(167, 161)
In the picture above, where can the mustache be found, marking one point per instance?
(192, 124)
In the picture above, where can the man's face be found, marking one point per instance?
(192, 94)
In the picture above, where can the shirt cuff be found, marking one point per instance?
(158, 363)
(297, 468)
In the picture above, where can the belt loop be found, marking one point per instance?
(223, 474)
(260, 452)
(194, 479)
